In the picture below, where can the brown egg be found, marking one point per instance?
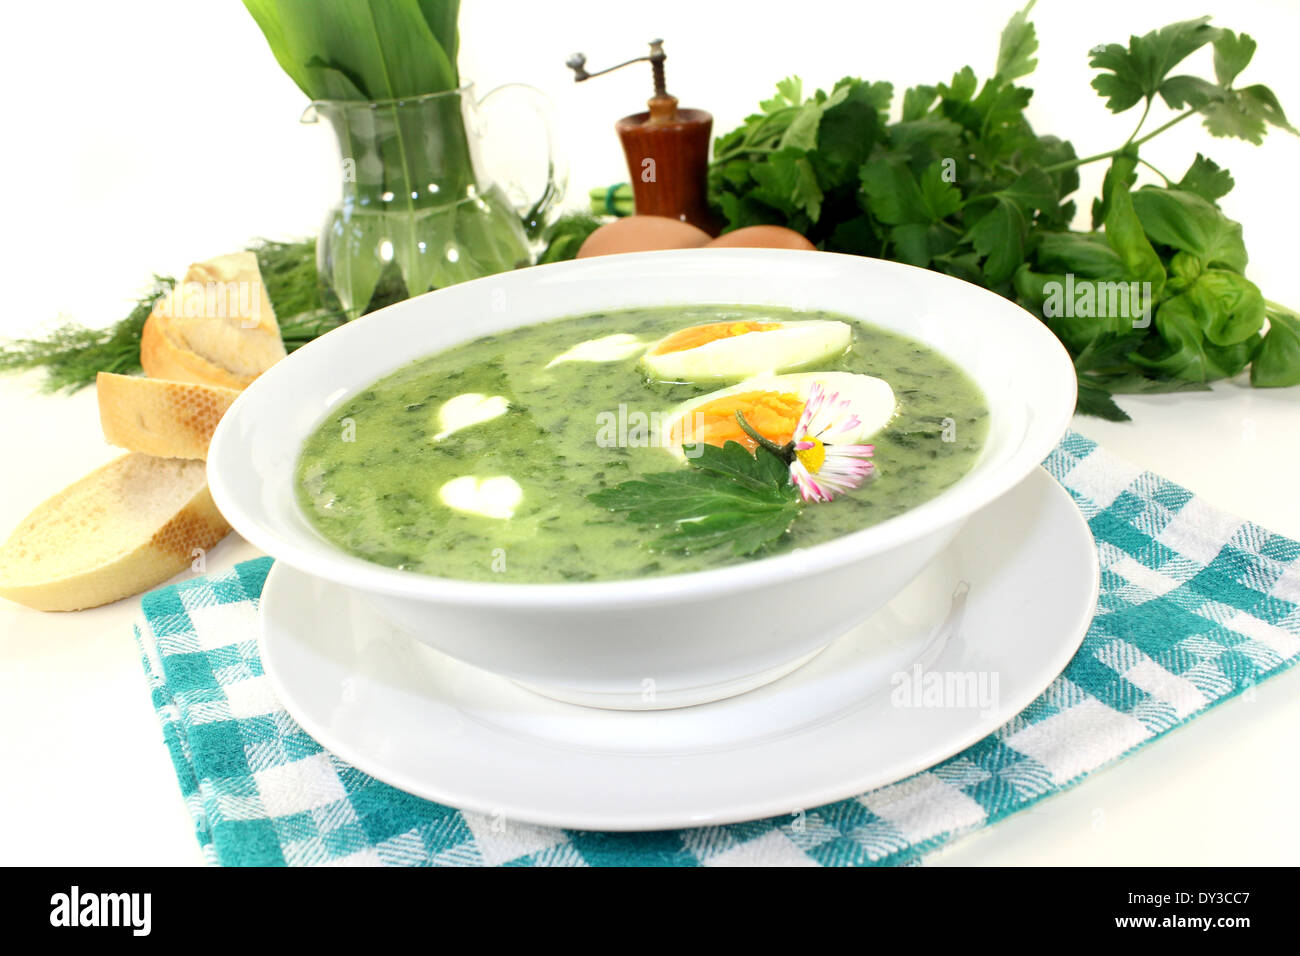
(763, 237)
(642, 234)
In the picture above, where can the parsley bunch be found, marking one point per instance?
(1151, 298)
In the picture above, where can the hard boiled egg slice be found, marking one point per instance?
(728, 351)
(772, 405)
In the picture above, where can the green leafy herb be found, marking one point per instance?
(1277, 361)
(565, 236)
(367, 50)
(726, 497)
(964, 185)
(73, 355)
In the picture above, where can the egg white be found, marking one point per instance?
(872, 401)
(793, 345)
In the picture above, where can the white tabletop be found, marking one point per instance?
(126, 188)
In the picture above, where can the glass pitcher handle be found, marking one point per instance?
(535, 213)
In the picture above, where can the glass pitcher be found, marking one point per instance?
(417, 206)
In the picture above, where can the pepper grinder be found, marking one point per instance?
(667, 148)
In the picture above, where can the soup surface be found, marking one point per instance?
(370, 476)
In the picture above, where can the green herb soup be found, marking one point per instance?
(369, 478)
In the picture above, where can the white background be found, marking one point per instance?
(141, 136)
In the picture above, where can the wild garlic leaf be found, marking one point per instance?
(1095, 399)
(378, 49)
(746, 533)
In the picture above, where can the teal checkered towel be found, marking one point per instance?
(1195, 607)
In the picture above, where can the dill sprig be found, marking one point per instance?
(73, 355)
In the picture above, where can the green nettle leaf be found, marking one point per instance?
(1276, 362)
(725, 497)
(1095, 400)
(1206, 179)
(1232, 53)
(1186, 221)
(1018, 46)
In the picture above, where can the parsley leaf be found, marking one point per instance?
(963, 184)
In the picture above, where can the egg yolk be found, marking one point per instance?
(773, 415)
(698, 335)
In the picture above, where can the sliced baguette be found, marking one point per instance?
(122, 529)
(167, 419)
(216, 327)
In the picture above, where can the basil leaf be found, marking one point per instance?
(1227, 307)
(1189, 222)
(1125, 234)
(1277, 360)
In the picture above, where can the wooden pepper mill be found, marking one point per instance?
(667, 148)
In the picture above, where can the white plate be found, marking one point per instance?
(995, 619)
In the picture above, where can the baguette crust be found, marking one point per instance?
(216, 327)
(162, 358)
(166, 419)
(122, 529)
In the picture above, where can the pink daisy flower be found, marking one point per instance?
(822, 469)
